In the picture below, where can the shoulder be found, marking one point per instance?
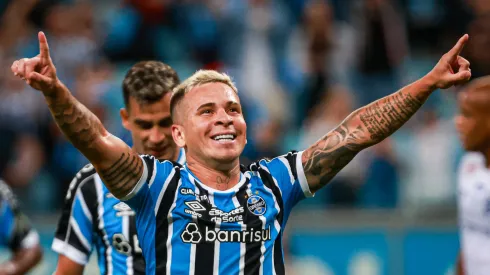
(6, 194)
(471, 161)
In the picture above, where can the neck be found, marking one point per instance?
(220, 177)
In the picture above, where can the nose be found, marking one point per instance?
(156, 135)
(223, 118)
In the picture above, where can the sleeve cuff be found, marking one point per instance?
(302, 177)
(140, 183)
(69, 251)
(31, 240)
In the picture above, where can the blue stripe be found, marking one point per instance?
(82, 220)
(181, 252)
(228, 250)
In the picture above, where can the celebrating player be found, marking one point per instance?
(473, 125)
(18, 235)
(92, 217)
(207, 217)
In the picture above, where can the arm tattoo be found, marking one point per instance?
(363, 128)
(122, 176)
(382, 118)
(76, 122)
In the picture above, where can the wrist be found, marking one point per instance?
(427, 83)
(55, 90)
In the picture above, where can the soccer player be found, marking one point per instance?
(473, 125)
(17, 233)
(207, 216)
(92, 218)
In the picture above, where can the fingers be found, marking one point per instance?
(456, 50)
(464, 65)
(43, 48)
(36, 77)
(23, 67)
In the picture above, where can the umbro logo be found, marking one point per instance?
(195, 206)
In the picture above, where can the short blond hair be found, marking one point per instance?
(200, 77)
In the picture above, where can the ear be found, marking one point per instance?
(125, 118)
(178, 135)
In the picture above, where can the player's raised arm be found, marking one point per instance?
(378, 120)
(119, 167)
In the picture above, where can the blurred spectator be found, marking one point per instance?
(380, 187)
(382, 47)
(328, 114)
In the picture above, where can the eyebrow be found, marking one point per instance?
(212, 104)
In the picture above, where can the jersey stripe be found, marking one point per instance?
(163, 221)
(105, 239)
(253, 249)
(216, 244)
(243, 248)
(278, 254)
(204, 258)
(128, 236)
(138, 259)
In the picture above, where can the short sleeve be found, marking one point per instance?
(289, 175)
(145, 194)
(74, 234)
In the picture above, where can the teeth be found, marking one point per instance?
(221, 137)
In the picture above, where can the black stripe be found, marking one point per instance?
(150, 165)
(161, 229)
(204, 259)
(64, 221)
(269, 182)
(139, 264)
(291, 158)
(252, 249)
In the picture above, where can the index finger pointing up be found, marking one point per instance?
(456, 50)
(43, 47)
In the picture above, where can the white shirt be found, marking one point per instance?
(474, 213)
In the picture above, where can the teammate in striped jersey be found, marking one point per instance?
(17, 233)
(92, 218)
(208, 216)
(473, 125)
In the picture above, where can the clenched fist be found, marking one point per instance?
(451, 69)
(39, 72)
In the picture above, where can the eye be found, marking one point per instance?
(206, 111)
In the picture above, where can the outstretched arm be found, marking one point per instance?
(373, 123)
(119, 167)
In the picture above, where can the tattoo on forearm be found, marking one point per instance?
(384, 117)
(79, 125)
(122, 176)
(365, 127)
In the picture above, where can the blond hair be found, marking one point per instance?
(200, 77)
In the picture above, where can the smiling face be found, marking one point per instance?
(150, 126)
(211, 124)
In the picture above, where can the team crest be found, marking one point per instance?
(256, 204)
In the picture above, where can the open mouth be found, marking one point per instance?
(224, 137)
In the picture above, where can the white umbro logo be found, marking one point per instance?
(195, 206)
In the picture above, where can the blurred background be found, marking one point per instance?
(301, 66)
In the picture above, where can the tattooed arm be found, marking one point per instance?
(119, 167)
(378, 120)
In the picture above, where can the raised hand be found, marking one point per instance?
(452, 69)
(39, 72)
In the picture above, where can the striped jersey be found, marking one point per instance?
(15, 229)
(186, 227)
(93, 219)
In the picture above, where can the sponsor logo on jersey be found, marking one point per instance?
(194, 234)
(123, 210)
